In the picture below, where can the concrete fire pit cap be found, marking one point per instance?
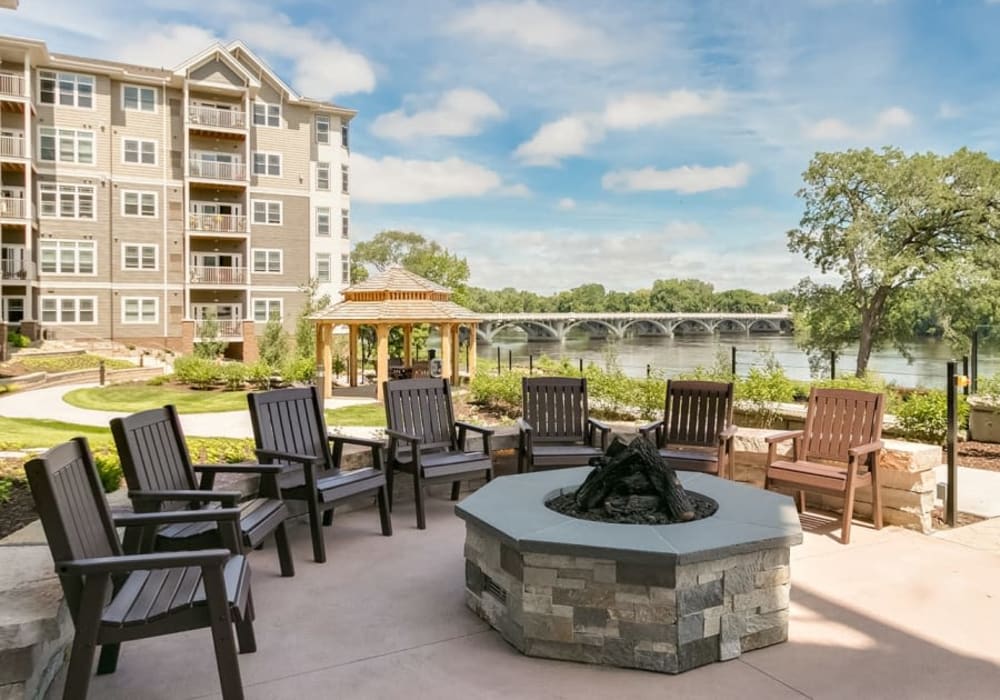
(749, 519)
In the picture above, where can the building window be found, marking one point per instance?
(267, 164)
(345, 223)
(266, 115)
(322, 129)
(266, 309)
(68, 257)
(69, 309)
(344, 132)
(139, 257)
(139, 204)
(140, 309)
(345, 269)
(66, 201)
(138, 98)
(323, 267)
(268, 261)
(266, 212)
(344, 179)
(139, 151)
(322, 221)
(66, 89)
(65, 145)
(322, 176)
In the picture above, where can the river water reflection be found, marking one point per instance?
(683, 353)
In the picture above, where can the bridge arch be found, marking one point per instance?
(707, 326)
(764, 324)
(661, 328)
(612, 329)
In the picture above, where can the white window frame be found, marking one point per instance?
(58, 134)
(141, 311)
(320, 212)
(319, 182)
(345, 135)
(345, 223)
(329, 268)
(76, 78)
(268, 301)
(345, 268)
(140, 257)
(267, 156)
(345, 179)
(58, 300)
(141, 195)
(139, 154)
(267, 114)
(139, 89)
(60, 189)
(320, 119)
(268, 252)
(58, 245)
(267, 212)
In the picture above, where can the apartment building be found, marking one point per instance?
(138, 202)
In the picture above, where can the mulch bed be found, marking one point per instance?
(17, 511)
(979, 455)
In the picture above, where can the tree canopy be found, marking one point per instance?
(900, 238)
(415, 253)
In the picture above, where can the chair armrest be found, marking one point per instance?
(289, 456)
(338, 442)
(399, 435)
(603, 427)
(524, 426)
(200, 496)
(864, 449)
(176, 516)
(134, 562)
(239, 468)
(475, 428)
(728, 433)
(351, 440)
(650, 427)
(782, 436)
(464, 427)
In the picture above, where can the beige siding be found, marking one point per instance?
(217, 72)
(292, 236)
(293, 143)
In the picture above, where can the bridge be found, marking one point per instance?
(556, 326)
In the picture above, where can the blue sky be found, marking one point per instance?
(556, 143)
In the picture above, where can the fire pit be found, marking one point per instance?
(664, 598)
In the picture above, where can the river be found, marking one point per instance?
(683, 353)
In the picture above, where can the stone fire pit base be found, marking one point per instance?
(664, 598)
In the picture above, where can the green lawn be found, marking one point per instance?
(21, 433)
(363, 415)
(129, 398)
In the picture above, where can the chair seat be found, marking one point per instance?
(563, 455)
(813, 475)
(258, 518)
(445, 463)
(692, 460)
(151, 595)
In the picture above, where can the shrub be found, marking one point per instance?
(301, 369)
(196, 371)
(763, 387)
(159, 381)
(234, 375)
(221, 450)
(18, 340)
(501, 393)
(5, 488)
(259, 375)
(923, 416)
(109, 469)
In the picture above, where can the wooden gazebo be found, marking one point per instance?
(394, 298)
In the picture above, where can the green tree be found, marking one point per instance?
(743, 301)
(418, 255)
(888, 225)
(680, 295)
(273, 345)
(305, 329)
(208, 345)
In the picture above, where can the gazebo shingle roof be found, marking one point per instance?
(396, 279)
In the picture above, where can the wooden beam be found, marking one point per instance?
(446, 350)
(407, 339)
(327, 359)
(382, 357)
(456, 353)
(352, 354)
(472, 350)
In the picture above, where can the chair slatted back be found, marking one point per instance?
(555, 407)
(291, 420)
(73, 509)
(421, 407)
(838, 419)
(153, 452)
(696, 412)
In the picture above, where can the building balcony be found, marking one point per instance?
(16, 270)
(217, 223)
(212, 170)
(13, 208)
(227, 329)
(12, 147)
(217, 276)
(212, 117)
(12, 85)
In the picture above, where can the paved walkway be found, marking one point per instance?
(48, 403)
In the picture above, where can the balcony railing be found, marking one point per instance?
(211, 170)
(16, 270)
(212, 116)
(217, 223)
(11, 147)
(214, 274)
(12, 84)
(13, 208)
(226, 328)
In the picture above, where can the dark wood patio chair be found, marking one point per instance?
(836, 452)
(159, 473)
(697, 431)
(290, 430)
(555, 428)
(115, 598)
(427, 442)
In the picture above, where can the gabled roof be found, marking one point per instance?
(397, 279)
(217, 50)
(238, 45)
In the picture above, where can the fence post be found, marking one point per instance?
(965, 372)
(974, 363)
(531, 364)
(649, 371)
(510, 360)
(581, 365)
(733, 361)
(101, 372)
(951, 497)
(499, 369)
(833, 364)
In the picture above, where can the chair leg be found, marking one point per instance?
(81, 658)
(456, 490)
(222, 634)
(244, 628)
(418, 496)
(876, 500)
(489, 475)
(328, 517)
(389, 481)
(800, 501)
(520, 463)
(107, 662)
(284, 551)
(383, 511)
(319, 546)
(845, 532)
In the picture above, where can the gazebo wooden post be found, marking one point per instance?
(352, 354)
(407, 337)
(472, 350)
(382, 358)
(326, 357)
(456, 353)
(446, 351)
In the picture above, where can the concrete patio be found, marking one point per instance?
(896, 614)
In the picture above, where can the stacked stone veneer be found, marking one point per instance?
(652, 616)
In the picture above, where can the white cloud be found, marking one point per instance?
(167, 47)
(392, 180)
(566, 203)
(569, 136)
(832, 129)
(516, 190)
(461, 112)
(949, 111)
(639, 109)
(531, 26)
(687, 179)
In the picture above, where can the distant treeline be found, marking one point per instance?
(669, 295)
